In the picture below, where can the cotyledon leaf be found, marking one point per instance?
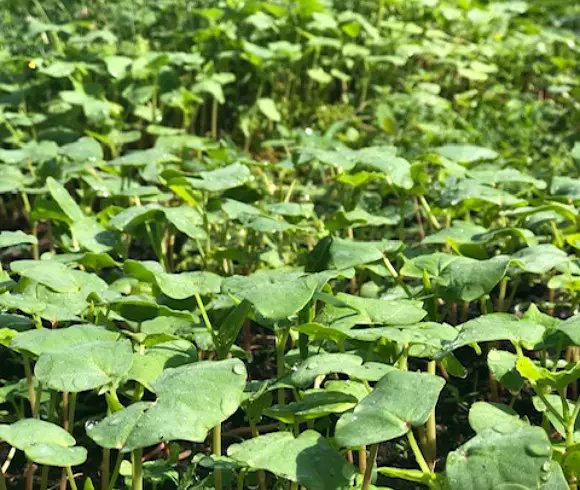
(539, 259)
(502, 365)
(92, 236)
(43, 340)
(496, 326)
(399, 401)
(134, 216)
(233, 175)
(338, 253)
(43, 442)
(281, 299)
(315, 403)
(85, 149)
(501, 457)
(191, 399)
(187, 284)
(11, 238)
(458, 278)
(307, 459)
(484, 415)
(146, 368)
(393, 312)
(308, 370)
(466, 153)
(48, 272)
(85, 367)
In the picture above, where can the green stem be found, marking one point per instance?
(71, 411)
(432, 219)
(105, 468)
(417, 452)
(116, 470)
(370, 465)
(431, 427)
(217, 451)
(214, 118)
(281, 339)
(44, 478)
(551, 408)
(206, 320)
(71, 478)
(396, 276)
(30, 386)
(502, 294)
(137, 476)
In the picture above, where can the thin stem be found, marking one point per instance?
(71, 478)
(432, 219)
(362, 460)
(71, 412)
(44, 478)
(214, 118)
(281, 339)
(201, 307)
(137, 476)
(217, 451)
(370, 465)
(105, 468)
(417, 452)
(551, 408)
(30, 386)
(396, 276)
(502, 294)
(431, 427)
(116, 470)
(9, 458)
(31, 467)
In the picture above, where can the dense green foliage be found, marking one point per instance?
(289, 244)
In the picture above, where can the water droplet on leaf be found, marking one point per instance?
(538, 449)
(239, 369)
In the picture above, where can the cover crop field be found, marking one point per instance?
(289, 244)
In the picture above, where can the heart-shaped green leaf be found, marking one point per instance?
(43, 442)
(501, 457)
(85, 367)
(148, 367)
(48, 272)
(483, 416)
(191, 399)
(307, 459)
(399, 401)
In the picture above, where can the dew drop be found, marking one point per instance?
(539, 449)
(239, 369)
